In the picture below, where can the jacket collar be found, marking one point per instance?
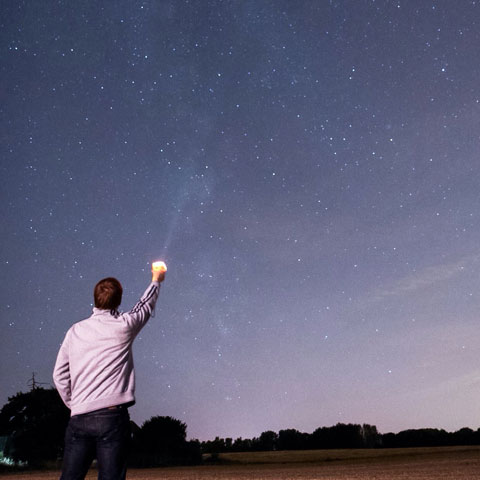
(102, 311)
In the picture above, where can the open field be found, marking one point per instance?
(454, 463)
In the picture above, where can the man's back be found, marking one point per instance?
(101, 362)
(94, 367)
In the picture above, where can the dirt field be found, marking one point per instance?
(454, 463)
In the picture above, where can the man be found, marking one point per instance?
(94, 375)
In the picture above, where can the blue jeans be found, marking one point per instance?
(104, 435)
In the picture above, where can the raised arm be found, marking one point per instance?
(138, 316)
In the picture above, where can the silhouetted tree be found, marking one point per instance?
(423, 437)
(242, 445)
(339, 436)
(162, 441)
(267, 441)
(464, 436)
(291, 439)
(162, 432)
(214, 446)
(370, 435)
(35, 423)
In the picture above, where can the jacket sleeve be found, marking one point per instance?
(138, 316)
(61, 373)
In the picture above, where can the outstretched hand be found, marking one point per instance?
(158, 275)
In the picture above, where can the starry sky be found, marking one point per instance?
(309, 172)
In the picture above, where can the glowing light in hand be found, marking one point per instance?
(159, 267)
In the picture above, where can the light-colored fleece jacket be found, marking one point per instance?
(94, 367)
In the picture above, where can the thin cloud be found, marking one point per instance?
(425, 278)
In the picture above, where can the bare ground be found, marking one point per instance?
(453, 463)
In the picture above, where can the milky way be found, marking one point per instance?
(309, 172)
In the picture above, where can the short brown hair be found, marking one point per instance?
(108, 294)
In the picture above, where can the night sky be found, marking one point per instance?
(309, 170)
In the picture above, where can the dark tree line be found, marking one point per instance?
(32, 427)
(343, 436)
(338, 436)
(431, 437)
